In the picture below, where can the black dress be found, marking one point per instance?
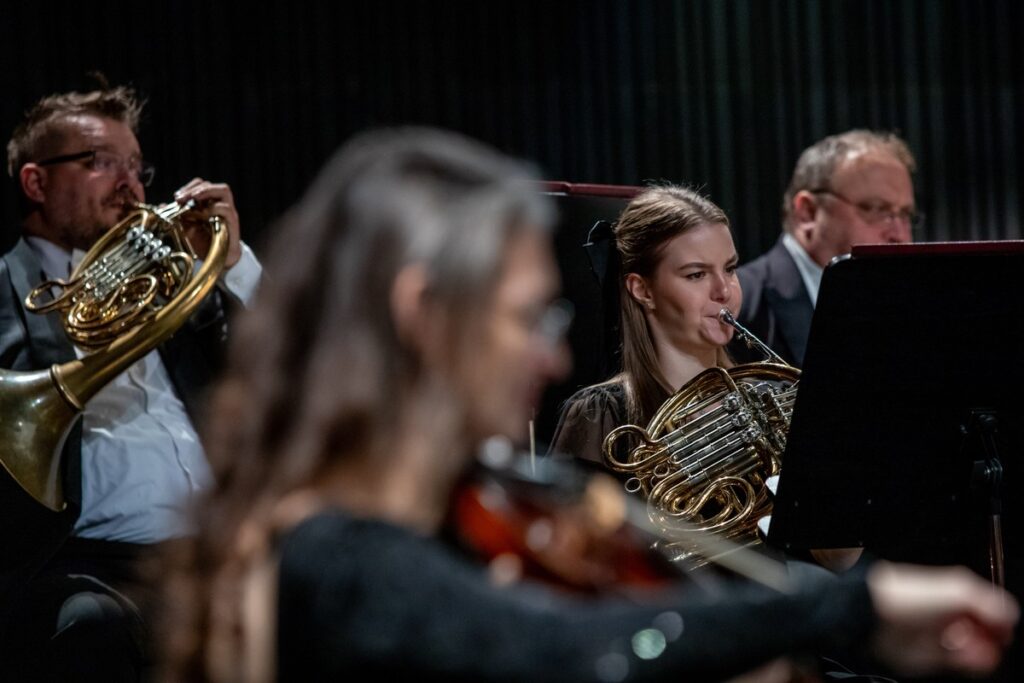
(361, 599)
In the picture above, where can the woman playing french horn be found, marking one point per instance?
(678, 266)
(678, 272)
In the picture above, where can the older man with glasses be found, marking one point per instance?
(74, 594)
(846, 189)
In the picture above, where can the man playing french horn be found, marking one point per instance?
(73, 593)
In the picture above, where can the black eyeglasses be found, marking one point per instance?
(874, 213)
(107, 163)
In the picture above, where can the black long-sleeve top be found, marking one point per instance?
(361, 599)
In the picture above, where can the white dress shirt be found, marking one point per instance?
(142, 463)
(810, 272)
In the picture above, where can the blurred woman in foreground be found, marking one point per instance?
(408, 321)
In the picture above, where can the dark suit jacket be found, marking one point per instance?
(776, 307)
(29, 533)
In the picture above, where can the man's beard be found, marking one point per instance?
(125, 201)
(85, 236)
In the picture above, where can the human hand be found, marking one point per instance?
(939, 619)
(211, 199)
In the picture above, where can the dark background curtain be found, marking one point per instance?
(719, 94)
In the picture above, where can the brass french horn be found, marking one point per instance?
(703, 461)
(132, 290)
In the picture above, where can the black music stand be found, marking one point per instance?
(909, 418)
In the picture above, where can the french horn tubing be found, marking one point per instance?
(133, 289)
(703, 460)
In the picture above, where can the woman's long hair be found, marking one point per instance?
(317, 371)
(645, 226)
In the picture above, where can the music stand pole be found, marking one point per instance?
(988, 478)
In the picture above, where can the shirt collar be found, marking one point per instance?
(810, 272)
(57, 261)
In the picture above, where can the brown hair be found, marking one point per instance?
(646, 224)
(42, 130)
(318, 372)
(817, 164)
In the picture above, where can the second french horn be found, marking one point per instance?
(703, 461)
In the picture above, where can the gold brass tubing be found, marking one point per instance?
(39, 407)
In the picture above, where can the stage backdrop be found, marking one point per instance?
(722, 95)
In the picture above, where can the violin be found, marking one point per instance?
(550, 520)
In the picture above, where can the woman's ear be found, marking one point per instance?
(638, 288)
(408, 293)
